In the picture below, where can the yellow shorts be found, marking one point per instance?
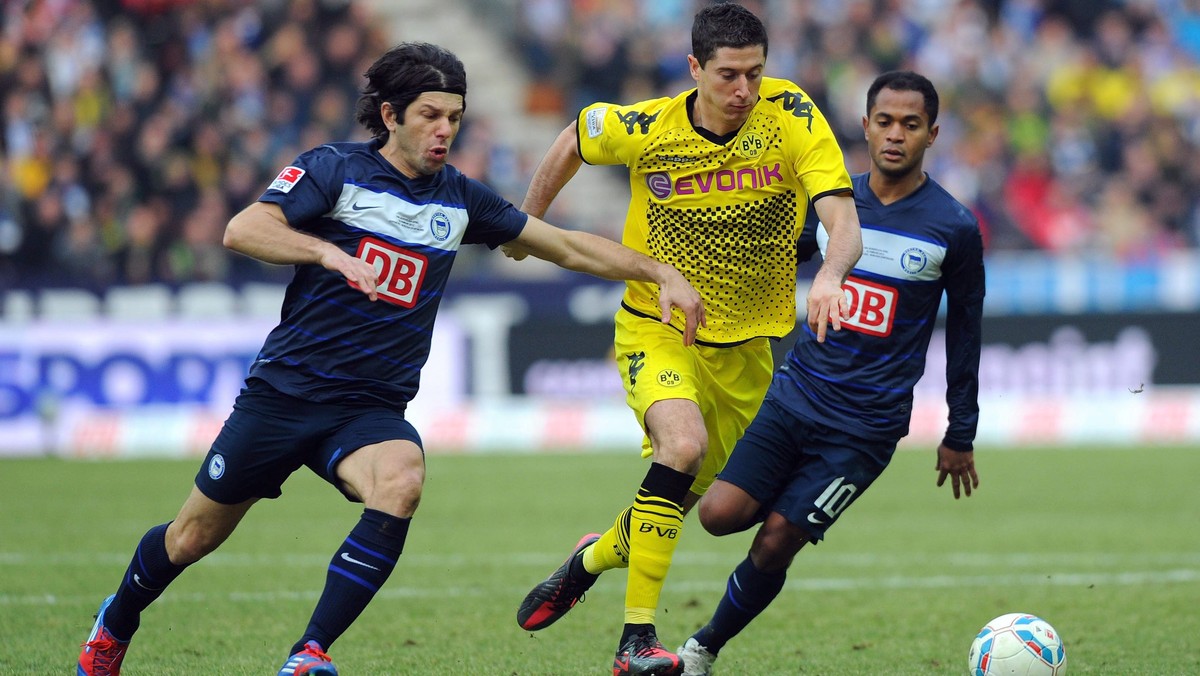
(727, 383)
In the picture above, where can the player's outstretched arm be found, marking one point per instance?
(557, 167)
(602, 257)
(826, 300)
(261, 231)
(960, 467)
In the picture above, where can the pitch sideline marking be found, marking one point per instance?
(1122, 578)
(682, 559)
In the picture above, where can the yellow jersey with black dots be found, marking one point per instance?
(725, 211)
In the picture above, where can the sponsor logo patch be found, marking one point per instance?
(659, 184)
(662, 186)
(594, 121)
(400, 271)
(286, 180)
(872, 307)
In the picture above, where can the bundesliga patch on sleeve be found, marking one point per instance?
(286, 180)
(595, 121)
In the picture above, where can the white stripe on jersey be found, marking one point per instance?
(433, 225)
(888, 254)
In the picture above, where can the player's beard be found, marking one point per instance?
(432, 164)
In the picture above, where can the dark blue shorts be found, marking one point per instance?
(806, 471)
(270, 434)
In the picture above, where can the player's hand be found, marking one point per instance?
(513, 252)
(675, 291)
(960, 467)
(361, 274)
(826, 305)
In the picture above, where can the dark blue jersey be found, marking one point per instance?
(332, 343)
(861, 379)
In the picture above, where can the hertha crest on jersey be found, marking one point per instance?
(287, 179)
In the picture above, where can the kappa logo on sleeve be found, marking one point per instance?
(287, 179)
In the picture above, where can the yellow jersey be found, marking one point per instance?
(725, 211)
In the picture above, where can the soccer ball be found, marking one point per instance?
(1017, 643)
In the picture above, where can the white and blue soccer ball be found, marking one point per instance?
(1017, 643)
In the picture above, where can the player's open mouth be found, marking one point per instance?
(439, 152)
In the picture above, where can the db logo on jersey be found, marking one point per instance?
(400, 270)
(872, 307)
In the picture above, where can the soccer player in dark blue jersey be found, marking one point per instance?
(836, 410)
(372, 230)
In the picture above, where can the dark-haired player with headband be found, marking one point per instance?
(372, 229)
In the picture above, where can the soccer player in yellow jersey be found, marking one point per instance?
(721, 177)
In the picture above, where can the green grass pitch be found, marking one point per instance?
(1103, 543)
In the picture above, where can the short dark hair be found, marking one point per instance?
(725, 24)
(905, 81)
(402, 74)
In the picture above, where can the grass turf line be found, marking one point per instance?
(1100, 542)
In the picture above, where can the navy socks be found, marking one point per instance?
(358, 569)
(147, 577)
(747, 594)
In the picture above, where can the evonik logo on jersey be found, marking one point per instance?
(400, 271)
(662, 186)
(872, 307)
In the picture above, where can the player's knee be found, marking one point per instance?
(722, 518)
(397, 490)
(684, 453)
(713, 519)
(727, 509)
(189, 542)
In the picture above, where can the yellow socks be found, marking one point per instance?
(654, 524)
(612, 549)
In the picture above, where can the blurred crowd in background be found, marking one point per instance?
(1067, 125)
(132, 130)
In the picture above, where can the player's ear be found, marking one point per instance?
(865, 121)
(390, 115)
(933, 132)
